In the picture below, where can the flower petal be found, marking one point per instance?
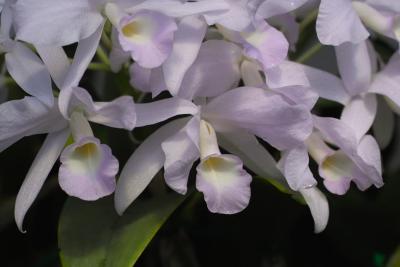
(88, 169)
(28, 116)
(262, 113)
(181, 151)
(338, 23)
(187, 42)
(354, 66)
(30, 73)
(147, 80)
(56, 22)
(286, 74)
(384, 124)
(117, 55)
(143, 165)
(148, 36)
(272, 8)
(266, 44)
(224, 183)
(38, 172)
(294, 166)
(215, 70)
(360, 113)
(157, 111)
(319, 207)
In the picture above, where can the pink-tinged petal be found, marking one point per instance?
(88, 169)
(251, 74)
(143, 165)
(387, 81)
(337, 171)
(38, 172)
(25, 117)
(157, 111)
(387, 5)
(187, 42)
(319, 207)
(179, 9)
(286, 74)
(354, 66)
(383, 127)
(360, 113)
(181, 151)
(299, 95)
(147, 80)
(253, 154)
(289, 26)
(370, 159)
(338, 23)
(119, 113)
(224, 183)
(262, 113)
(56, 22)
(30, 73)
(326, 85)
(83, 56)
(118, 56)
(56, 61)
(272, 8)
(266, 44)
(148, 36)
(215, 70)
(294, 166)
(237, 18)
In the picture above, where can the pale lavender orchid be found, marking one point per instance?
(341, 21)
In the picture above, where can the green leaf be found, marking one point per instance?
(92, 234)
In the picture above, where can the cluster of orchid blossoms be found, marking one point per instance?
(226, 68)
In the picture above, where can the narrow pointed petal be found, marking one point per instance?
(262, 113)
(369, 153)
(28, 116)
(215, 70)
(30, 73)
(338, 23)
(83, 56)
(354, 66)
(294, 166)
(299, 95)
(360, 113)
(88, 169)
(56, 61)
(56, 22)
(224, 183)
(143, 165)
(148, 36)
(272, 8)
(267, 45)
(38, 172)
(187, 42)
(181, 151)
(251, 74)
(387, 81)
(154, 112)
(319, 207)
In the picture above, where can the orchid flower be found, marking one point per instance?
(341, 21)
(88, 168)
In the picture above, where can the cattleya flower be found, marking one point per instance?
(87, 168)
(341, 21)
